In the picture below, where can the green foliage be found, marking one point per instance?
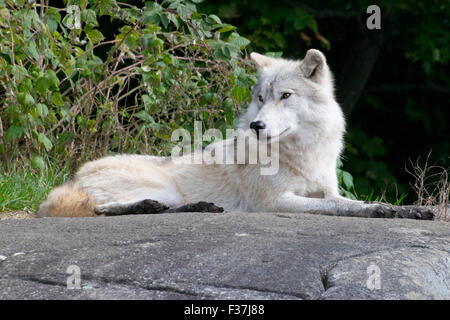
(70, 88)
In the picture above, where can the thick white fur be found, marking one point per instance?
(313, 127)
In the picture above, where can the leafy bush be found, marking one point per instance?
(72, 88)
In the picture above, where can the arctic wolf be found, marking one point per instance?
(293, 108)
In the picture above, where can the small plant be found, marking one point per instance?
(432, 186)
(345, 179)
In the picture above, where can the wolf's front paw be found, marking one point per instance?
(147, 206)
(203, 206)
(416, 212)
(150, 206)
(107, 210)
(403, 212)
(383, 210)
(100, 210)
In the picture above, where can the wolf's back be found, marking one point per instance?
(67, 200)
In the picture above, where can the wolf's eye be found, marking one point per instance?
(260, 98)
(285, 95)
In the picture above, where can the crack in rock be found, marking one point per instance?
(293, 295)
(34, 278)
(324, 275)
(104, 288)
(199, 290)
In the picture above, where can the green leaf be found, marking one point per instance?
(42, 84)
(173, 18)
(88, 16)
(4, 13)
(185, 11)
(30, 50)
(94, 35)
(52, 78)
(19, 72)
(164, 20)
(25, 99)
(48, 145)
(147, 101)
(45, 82)
(223, 53)
(143, 115)
(38, 162)
(347, 179)
(105, 6)
(27, 19)
(152, 13)
(215, 18)
(29, 100)
(151, 17)
(240, 94)
(226, 28)
(238, 40)
(52, 25)
(57, 99)
(26, 85)
(42, 110)
(13, 133)
(228, 107)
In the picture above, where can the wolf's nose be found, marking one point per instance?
(257, 125)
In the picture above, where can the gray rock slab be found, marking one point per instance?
(224, 256)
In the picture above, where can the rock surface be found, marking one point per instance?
(224, 256)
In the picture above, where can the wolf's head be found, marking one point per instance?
(293, 99)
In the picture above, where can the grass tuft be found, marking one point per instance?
(23, 188)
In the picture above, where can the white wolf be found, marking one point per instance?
(295, 100)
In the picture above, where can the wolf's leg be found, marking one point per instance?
(146, 206)
(290, 202)
(201, 206)
(149, 206)
(422, 212)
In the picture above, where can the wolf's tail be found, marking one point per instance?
(68, 200)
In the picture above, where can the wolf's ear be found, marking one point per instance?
(260, 60)
(313, 64)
